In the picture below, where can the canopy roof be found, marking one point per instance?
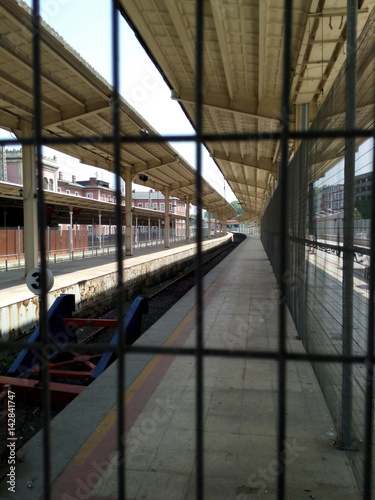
(76, 102)
(243, 71)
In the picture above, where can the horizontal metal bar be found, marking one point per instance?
(254, 136)
(106, 323)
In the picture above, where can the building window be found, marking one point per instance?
(59, 190)
(162, 206)
(51, 185)
(103, 197)
(140, 205)
(89, 195)
(77, 193)
(45, 183)
(67, 191)
(154, 206)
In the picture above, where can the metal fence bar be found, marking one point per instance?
(347, 347)
(199, 290)
(369, 364)
(43, 310)
(283, 200)
(121, 348)
(334, 343)
(279, 244)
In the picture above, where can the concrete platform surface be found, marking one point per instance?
(240, 410)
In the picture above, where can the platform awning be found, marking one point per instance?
(77, 104)
(243, 75)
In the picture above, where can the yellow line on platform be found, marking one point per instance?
(106, 424)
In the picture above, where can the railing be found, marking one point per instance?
(83, 245)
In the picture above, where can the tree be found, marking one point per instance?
(236, 205)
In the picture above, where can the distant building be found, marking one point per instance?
(93, 188)
(363, 194)
(11, 169)
(363, 187)
(155, 200)
(332, 198)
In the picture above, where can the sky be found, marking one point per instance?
(363, 164)
(86, 26)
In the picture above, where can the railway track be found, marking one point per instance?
(162, 296)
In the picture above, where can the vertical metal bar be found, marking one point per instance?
(199, 297)
(116, 102)
(19, 246)
(43, 324)
(283, 219)
(48, 242)
(70, 233)
(369, 410)
(346, 441)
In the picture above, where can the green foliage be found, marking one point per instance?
(236, 205)
(5, 362)
(363, 209)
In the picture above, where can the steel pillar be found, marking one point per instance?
(166, 219)
(30, 202)
(128, 214)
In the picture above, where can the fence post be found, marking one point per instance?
(70, 232)
(48, 243)
(19, 246)
(347, 439)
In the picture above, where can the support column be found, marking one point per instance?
(347, 436)
(166, 219)
(30, 202)
(209, 222)
(128, 214)
(70, 232)
(100, 229)
(187, 220)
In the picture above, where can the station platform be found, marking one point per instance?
(90, 280)
(240, 410)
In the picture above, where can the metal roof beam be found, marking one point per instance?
(147, 166)
(8, 121)
(262, 164)
(244, 182)
(97, 108)
(223, 44)
(335, 12)
(47, 77)
(243, 106)
(181, 31)
(28, 91)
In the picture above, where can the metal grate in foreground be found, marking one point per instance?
(343, 364)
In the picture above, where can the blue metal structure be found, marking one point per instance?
(132, 329)
(59, 336)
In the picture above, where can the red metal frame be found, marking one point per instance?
(106, 323)
(57, 371)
